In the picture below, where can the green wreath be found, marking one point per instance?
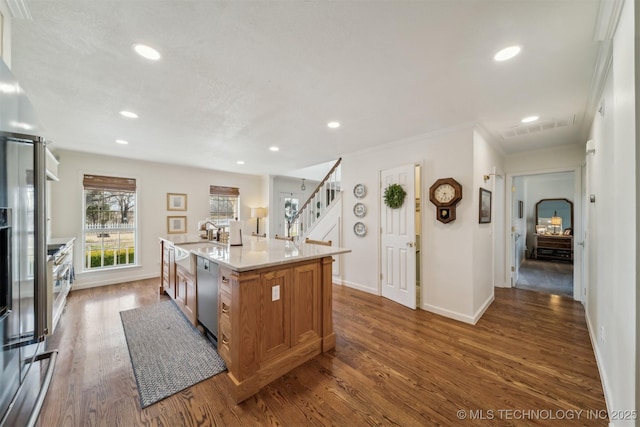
(394, 196)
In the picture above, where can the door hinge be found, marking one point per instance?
(513, 189)
(513, 268)
(381, 276)
(513, 229)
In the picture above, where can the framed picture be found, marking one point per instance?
(176, 202)
(176, 224)
(520, 209)
(485, 206)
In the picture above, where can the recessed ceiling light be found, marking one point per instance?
(146, 51)
(274, 148)
(530, 119)
(507, 53)
(240, 162)
(129, 114)
(333, 125)
(122, 141)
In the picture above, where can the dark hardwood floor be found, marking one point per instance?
(528, 361)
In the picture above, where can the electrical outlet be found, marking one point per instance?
(602, 334)
(275, 293)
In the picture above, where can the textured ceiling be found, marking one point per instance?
(238, 77)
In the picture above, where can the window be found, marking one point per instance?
(109, 237)
(223, 204)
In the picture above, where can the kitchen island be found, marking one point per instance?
(274, 304)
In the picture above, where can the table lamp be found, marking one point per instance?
(258, 213)
(556, 221)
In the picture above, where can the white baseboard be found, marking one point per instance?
(459, 316)
(360, 287)
(82, 284)
(336, 279)
(448, 313)
(483, 308)
(600, 363)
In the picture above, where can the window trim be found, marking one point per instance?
(138, 230)
(221, 191)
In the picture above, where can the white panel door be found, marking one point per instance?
(398, 239)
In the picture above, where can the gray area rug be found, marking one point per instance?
(546, 276)
(167, 353)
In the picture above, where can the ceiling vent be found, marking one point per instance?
(20, 9)
(539, 126)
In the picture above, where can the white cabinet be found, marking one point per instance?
(52, 167)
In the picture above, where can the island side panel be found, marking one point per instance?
(307, 300)
(269, 335)
(328, 336)
(275, 325)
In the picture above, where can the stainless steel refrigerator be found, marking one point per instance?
(23, 287)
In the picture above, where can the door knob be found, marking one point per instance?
(410, 244)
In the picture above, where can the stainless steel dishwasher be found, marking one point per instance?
(208, 297)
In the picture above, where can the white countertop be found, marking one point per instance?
(256, 252)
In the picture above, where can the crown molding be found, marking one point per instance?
(606, 25)
(19, 9)
(607, 21)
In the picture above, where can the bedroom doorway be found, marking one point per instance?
(546, 222)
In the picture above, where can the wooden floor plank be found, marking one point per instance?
(391, 366)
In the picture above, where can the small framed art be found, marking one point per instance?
(485, 207)
(176, 224)
(176, 202)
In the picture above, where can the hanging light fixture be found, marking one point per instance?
(303, 187)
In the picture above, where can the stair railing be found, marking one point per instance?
(319, 200)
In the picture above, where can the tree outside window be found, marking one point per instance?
(109, 222)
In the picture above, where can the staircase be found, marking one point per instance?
(316, 205)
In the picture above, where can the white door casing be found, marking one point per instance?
(398, 239)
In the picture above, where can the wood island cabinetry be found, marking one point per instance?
(274, 304)
(178, 282)
(167, 271)
(186, 293)
(272, 320)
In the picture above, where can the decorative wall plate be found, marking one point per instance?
(359, 210)
(359, 191)
(359, 229)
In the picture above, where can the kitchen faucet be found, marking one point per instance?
(210, 234)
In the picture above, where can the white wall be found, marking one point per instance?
(488, 239)
(612, 259)
(550, 159)
(447, 262)
(329, 227)
(6, 33)
(154, 181)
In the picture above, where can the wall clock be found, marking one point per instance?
(445, 193)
